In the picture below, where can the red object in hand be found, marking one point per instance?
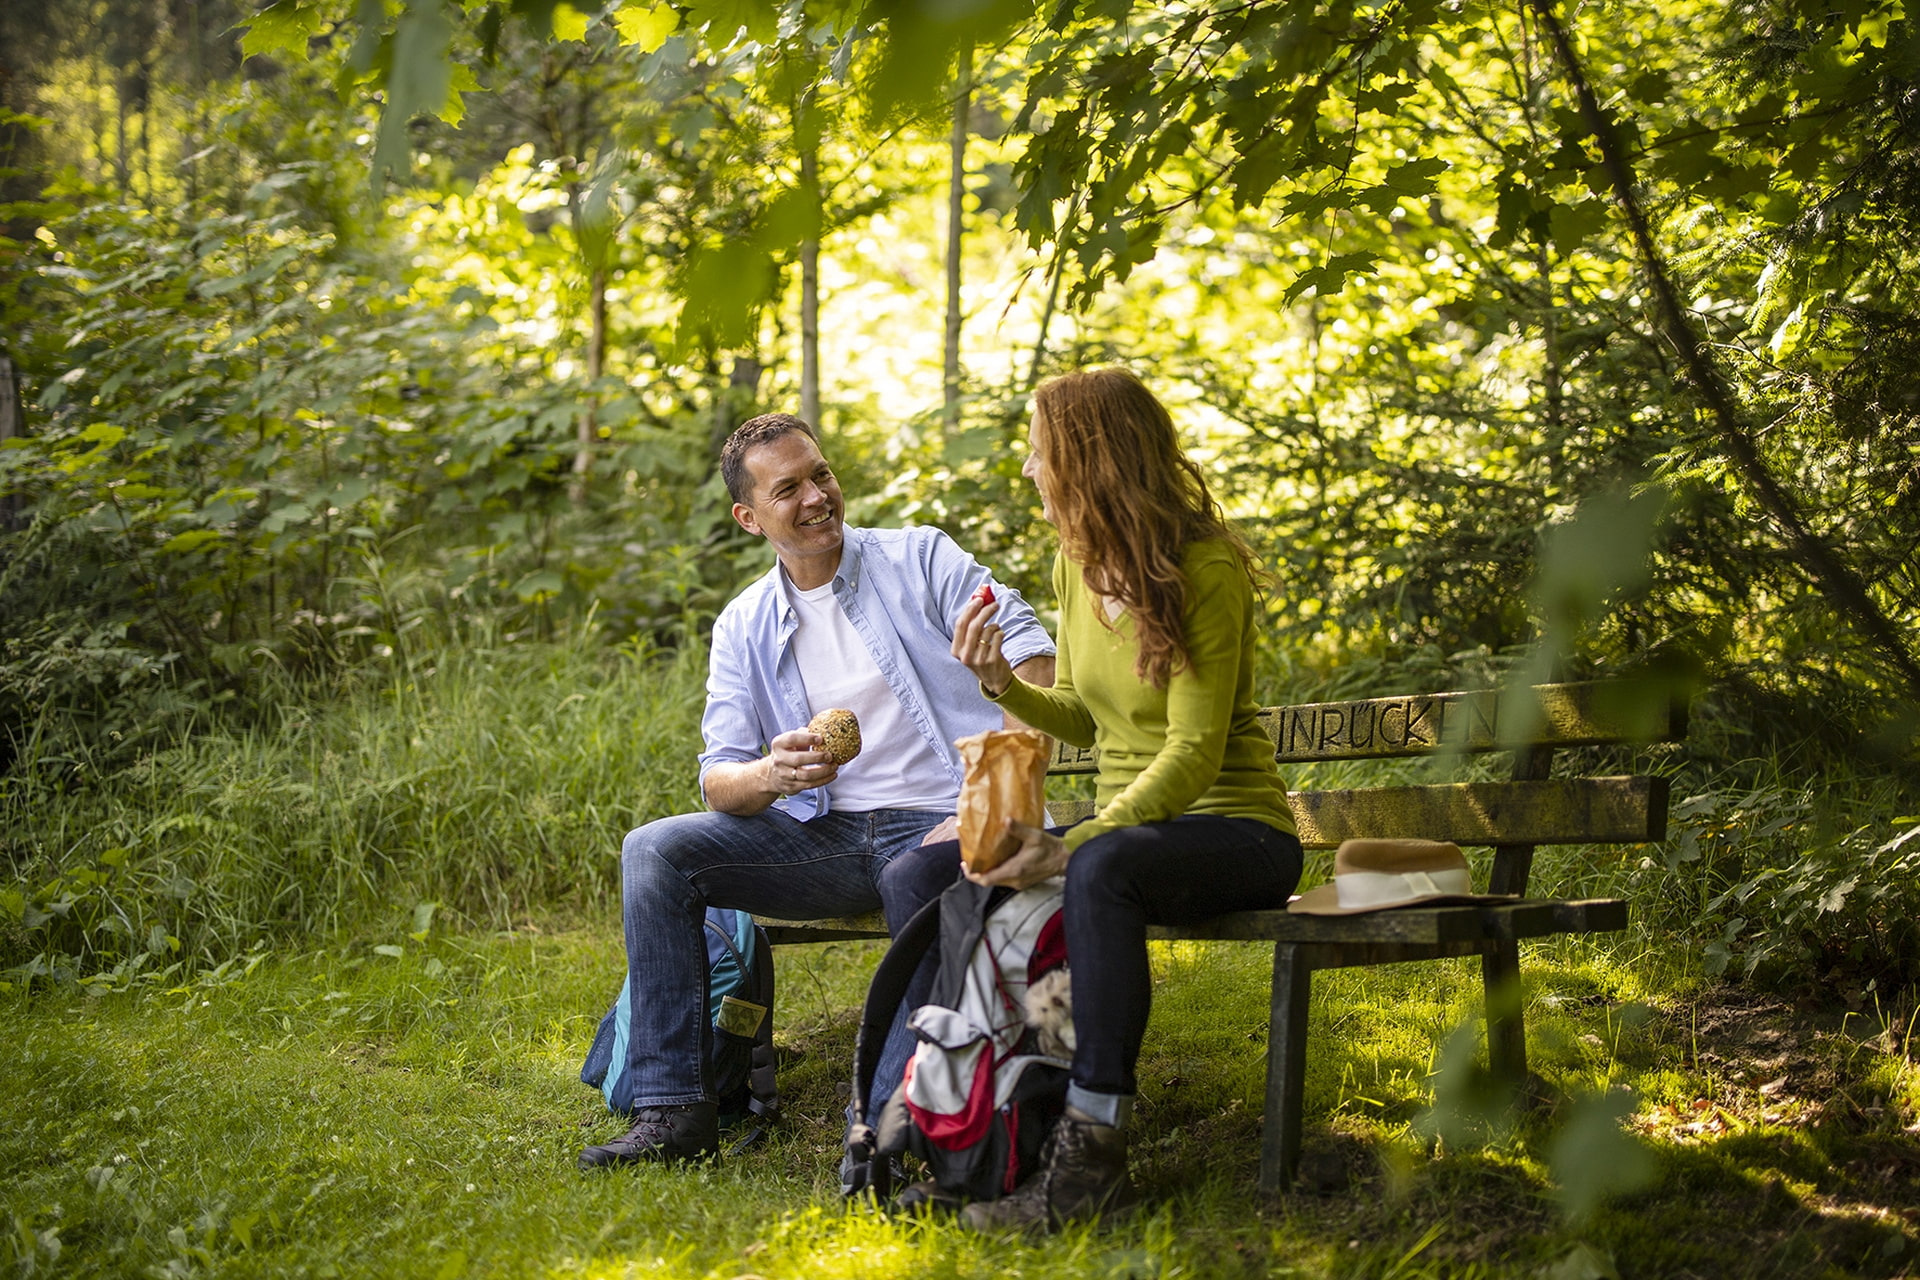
(985, 594)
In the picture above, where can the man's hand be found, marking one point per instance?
(1041, 856)
(796, 763)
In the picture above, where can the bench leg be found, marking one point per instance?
(1286, 1065)
(1506, 1021)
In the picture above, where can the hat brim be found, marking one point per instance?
(1324, 900)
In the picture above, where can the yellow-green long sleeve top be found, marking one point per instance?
(1193, 747)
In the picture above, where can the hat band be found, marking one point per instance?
(1381, 888)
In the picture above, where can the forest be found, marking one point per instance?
(363, 370)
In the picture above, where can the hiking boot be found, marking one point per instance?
(927, 1197)
(664, 1134)
(1083, 1174)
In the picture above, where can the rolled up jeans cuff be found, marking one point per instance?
(1111, 1109)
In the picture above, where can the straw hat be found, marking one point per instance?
(1374, 875)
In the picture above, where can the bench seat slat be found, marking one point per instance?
(1464, 926)
(1413, 926)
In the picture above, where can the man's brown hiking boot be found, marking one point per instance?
(1083, 1174)
(664, 1134)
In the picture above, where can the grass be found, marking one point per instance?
(485, 783)
(348, 1111)
(310, 1001)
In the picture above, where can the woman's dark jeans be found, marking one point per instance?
(1118, 883)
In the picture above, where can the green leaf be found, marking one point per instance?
(371, 40)
(1573, 224)
(646, 26)
(539, 585)
(1593, 1158)
(1331, 276)
(389, 949)
(282, 28)
(1651, 87)
(104, 433)
(1601, 551)
(280, 517)
(1836, 897)
(723, 20)
(725, 284)
(418, 84)
(191, 540)
(1385, 99)
(462, 82)
(569, 23)
(218, 285)
(1416, 177)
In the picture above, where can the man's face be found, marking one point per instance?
(795, 503)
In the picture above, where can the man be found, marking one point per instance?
(848, 617)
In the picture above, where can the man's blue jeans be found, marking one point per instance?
(769, 864)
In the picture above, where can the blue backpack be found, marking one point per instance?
(740, 997)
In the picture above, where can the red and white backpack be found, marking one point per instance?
(983, 1087)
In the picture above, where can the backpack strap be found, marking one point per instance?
(964, 908)
(756, 979)
(763, 1093)
(884, 994)
(862, 1168)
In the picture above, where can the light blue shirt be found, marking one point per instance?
(901, 589)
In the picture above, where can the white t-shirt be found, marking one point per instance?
(895, 769)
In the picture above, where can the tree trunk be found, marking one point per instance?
(589, 430)
(810, 295)
(737, 400)
(12, 423)
(1830, 574)
(956, 208)
(120, 174)
(1046, 322)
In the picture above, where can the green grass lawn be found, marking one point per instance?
(234, 1045)
(356, 1112)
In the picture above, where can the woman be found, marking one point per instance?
(1155, 670)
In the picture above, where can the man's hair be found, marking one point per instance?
(1128, 501)
(751, 434)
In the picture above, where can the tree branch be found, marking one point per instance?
(1832, 576)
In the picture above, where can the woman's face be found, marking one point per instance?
(1035, 468)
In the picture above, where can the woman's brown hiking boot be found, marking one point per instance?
(1083, 1174)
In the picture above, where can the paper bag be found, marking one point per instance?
(1006, 776)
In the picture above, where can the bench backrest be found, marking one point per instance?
(1513, 817)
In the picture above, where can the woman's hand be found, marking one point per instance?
(976, 643)
(1041, 856)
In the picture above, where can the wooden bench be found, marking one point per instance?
(1515, 817)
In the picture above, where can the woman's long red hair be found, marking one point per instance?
(1128, 501)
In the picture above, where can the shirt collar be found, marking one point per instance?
(845, 578)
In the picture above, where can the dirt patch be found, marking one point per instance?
(1775, 1062)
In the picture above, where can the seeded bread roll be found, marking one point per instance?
(839, 733)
